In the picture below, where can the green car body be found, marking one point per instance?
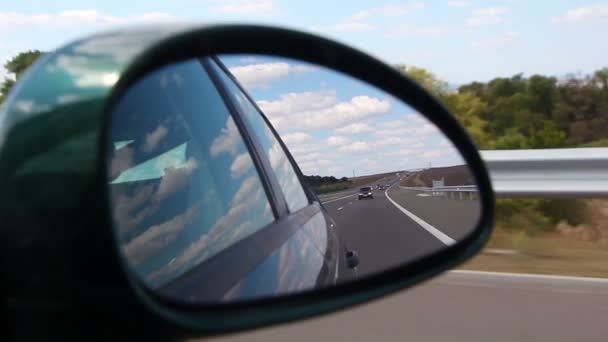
(50, 131)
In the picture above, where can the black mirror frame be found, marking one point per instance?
(191, 320)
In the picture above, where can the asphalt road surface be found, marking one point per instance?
(464, 306)
(398, 226)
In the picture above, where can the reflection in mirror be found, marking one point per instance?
(208, 206)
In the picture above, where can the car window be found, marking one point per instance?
(183, 184)
(286, 175)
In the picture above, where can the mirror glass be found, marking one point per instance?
(214, 201)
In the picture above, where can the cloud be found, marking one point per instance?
(260, 75)
(360, 21)
(494, 42)
(228, 141)
(408, 30)
(227, 229)
(152, 139)
(79, 17)
(247, 7)
(175, 178)
(357, 146)
(241, 164)
(321, 109)
(458, 3)
(487, 16)
(412, 127)
(354, 129)
(583, 14)
(397, 141)
(336, 141)
(296, 138)
(157, 237)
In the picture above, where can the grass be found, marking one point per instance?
(547, 253)
(597, 143)
(323, 189)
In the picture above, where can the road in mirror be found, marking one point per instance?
(209, 207)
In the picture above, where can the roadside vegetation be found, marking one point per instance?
(327, 184)
(563, 236)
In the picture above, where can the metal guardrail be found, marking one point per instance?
(571, 172)
(448, 191)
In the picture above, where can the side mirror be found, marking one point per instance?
(243, 176)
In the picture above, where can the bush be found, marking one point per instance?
(570, 210)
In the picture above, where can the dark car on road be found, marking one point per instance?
(366, 192)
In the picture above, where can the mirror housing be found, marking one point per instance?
(77, 191)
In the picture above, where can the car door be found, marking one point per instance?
(315, 228)
(197, 198)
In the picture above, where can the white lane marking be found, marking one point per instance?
(532, 276)
(448, 241)
(337, 199)
(340, 208)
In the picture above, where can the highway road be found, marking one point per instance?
(398, 226)
(456, 306)
(464, 306)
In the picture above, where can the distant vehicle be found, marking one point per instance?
(381, 187)
(366, 192)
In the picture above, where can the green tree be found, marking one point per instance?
(15, 67)
(426, 79)
(470, 110)
(548, 137)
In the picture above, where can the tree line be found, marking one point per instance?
(520, 112)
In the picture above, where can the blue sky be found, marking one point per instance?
(336, 125)
(459, 40)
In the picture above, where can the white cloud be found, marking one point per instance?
(296, 138)
(310, 110)
(336, 141)
(260, 75)
(175, 178)
(155, 137)
(247, 7)
(241, 164)
(158, 236)
(357, 146)
(354, 129)
(430, 155)
(583, 14)
(226, 230)
(396, 141)
(308, 157)
(408, 30)
(79, 17)
(487, 16)
(412, 127)
(304, 148)
(360, 21)
(458, 3)
(228, 140)
(506, 39)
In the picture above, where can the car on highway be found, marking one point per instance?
(365, 192)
